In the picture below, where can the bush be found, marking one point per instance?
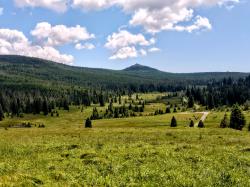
(191, 123)
(173, 122)
(201, 124)
(88, 123)
(237, 119)
(249, 127)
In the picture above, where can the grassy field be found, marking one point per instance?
(138, 151)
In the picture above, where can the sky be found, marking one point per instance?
(170, 35)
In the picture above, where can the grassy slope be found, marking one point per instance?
(120, 152)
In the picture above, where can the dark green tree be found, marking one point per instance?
(168, 110)
(88, 123)
(95, 114)
(237, 119)
(101, 100)
(225, 122)
(173, 122)
(45, 107)
(191, 123)
(201, 124)
(191, 102)
(1, 113)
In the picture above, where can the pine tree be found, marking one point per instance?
(201, 124)
(88, 123)
(191, 123)
(1, 113)
(101, 100)
(225, 122)
(173, 122)
(237, 119)
(95, 114)
(191, 102)
(168, 110)
(45, 107)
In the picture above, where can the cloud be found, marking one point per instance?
(154, 49)
(55, 5)
(1, 11)
(124, 44)
(88, 46)
(124, 38)
(60, 34)
(159, 15)
(124, 53)
(14, 42)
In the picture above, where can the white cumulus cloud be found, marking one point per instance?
(14, 42)
(57, 35)
(124, 53)
(56, 5)
(88, 46)
(159, 15)
(127, 45)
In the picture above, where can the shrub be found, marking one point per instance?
(201, 124)
(173, 122)
(237, 119)
(88, 123)
(191, 123)
(249, 127)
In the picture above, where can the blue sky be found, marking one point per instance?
(187, 37)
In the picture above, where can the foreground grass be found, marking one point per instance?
(141, 151)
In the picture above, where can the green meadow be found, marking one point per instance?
(135, 151)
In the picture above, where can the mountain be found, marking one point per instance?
(140, 68)
(20, 71)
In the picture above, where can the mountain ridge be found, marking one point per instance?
(21, 70)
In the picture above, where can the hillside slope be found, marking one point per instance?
(19, 70)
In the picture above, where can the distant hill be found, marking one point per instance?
(21, 71)
(140, 68)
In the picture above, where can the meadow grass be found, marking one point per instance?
(139, 151)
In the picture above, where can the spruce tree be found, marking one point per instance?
(201, 124)
(1, 113)
(45, 107)
(168, 110)
(191, 123)
(225, 122)
(191, 102)
(101, 100)
(237, 119)
(88, 123)
(173, 122)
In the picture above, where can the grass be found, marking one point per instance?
(140, 151)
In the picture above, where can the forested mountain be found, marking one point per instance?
(31, 85)
(26, 71)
